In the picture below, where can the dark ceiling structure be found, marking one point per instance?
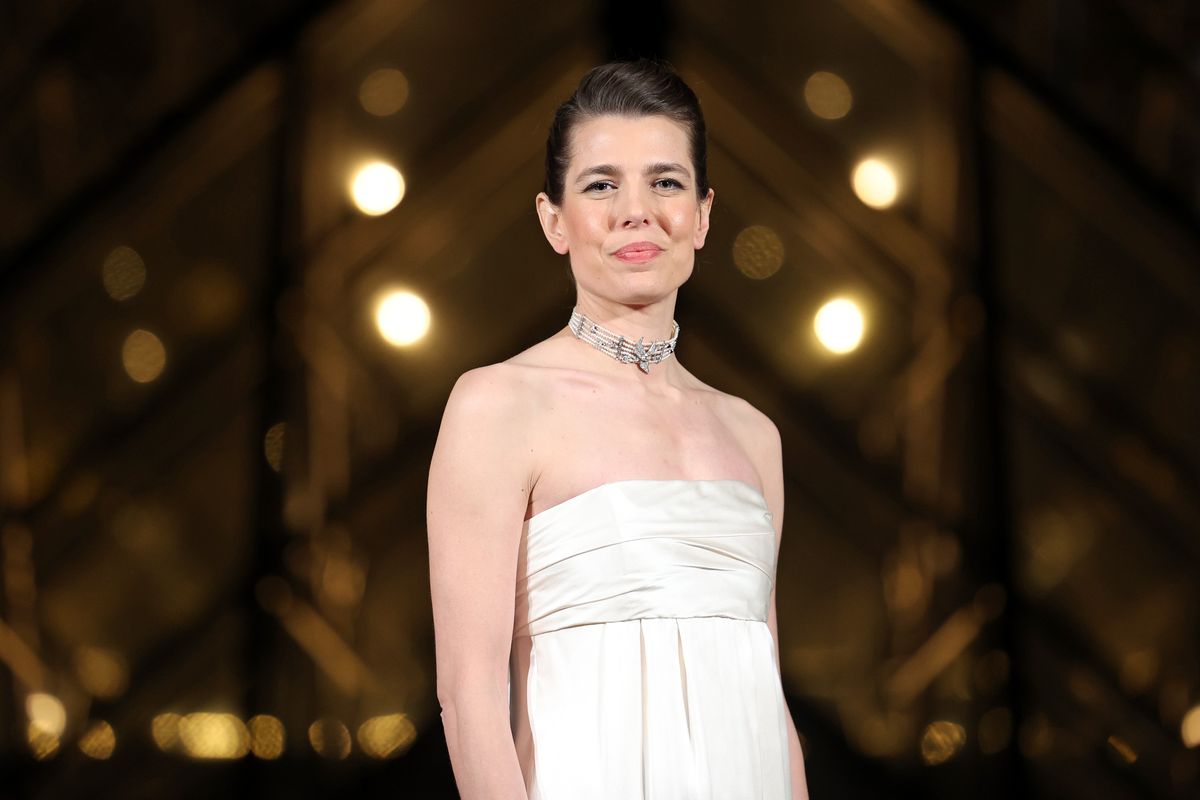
(215, 423)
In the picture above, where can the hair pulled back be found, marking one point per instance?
(640, 88)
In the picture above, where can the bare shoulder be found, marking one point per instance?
(490, 384)
(755, 430)
(759, 437)
(490, 406)
(482, 463)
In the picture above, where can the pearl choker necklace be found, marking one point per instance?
(620, 348)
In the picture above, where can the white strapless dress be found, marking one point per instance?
(642, 665)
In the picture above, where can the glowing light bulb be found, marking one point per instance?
(46, 713)
(377, 188)
(402, 318)
(875, 183)
(839, 325)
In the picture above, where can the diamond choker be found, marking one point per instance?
(620, 348)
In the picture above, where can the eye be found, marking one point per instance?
(597, 185)
(670, 183)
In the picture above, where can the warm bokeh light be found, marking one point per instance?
(42, 745)
(1122, 749)
(330, 738)
(123, 273)
(273, 445)
(386, 736)
(839, 325)
(758, 252)
(46, 713)
(214, 735)
(98, 741)
(101, 671)
(377, 188)
(266, 736)
(402, 317)
(1190, 728)
(383, 92)
(143, 356)
(941, 741)
(875, 183)
(165, 730)
(827, 95)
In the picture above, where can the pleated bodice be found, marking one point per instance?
(642, 664)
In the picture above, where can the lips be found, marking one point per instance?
(638, 247)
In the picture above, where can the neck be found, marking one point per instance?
(649, 322)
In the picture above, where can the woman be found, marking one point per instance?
(604, 526)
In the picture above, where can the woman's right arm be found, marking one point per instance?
(479, 480)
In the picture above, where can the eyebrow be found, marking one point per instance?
(657, 168)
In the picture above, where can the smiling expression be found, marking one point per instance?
(630, 218)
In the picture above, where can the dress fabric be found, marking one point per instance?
(642, 665)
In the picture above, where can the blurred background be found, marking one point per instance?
(246, 249)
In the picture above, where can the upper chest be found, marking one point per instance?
(591, 431)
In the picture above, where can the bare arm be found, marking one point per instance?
(771, 459)
(479, 481)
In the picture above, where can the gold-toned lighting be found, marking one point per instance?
(123, 273)
(758, 252)
(377, 188)
(1189, 729)
(941, 741)
(330, 738)
(101, 671)
(273, 445)
(165, 730)
(383, 92)
(1122, 749)
(839, 325)
(143, 355)
(98, 741)
(827, 95)
(42, 745)
(875, 183)
(209, 735)
(386, 736)
(402, 317)
(266, 736)
(46, 713)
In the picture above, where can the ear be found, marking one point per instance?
(702, 217)
(552, 223)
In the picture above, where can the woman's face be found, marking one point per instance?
(630, 219)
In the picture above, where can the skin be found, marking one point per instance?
(512, 433)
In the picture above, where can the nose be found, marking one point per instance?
(633, 207)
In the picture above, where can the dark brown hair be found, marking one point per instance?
(640, 88)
